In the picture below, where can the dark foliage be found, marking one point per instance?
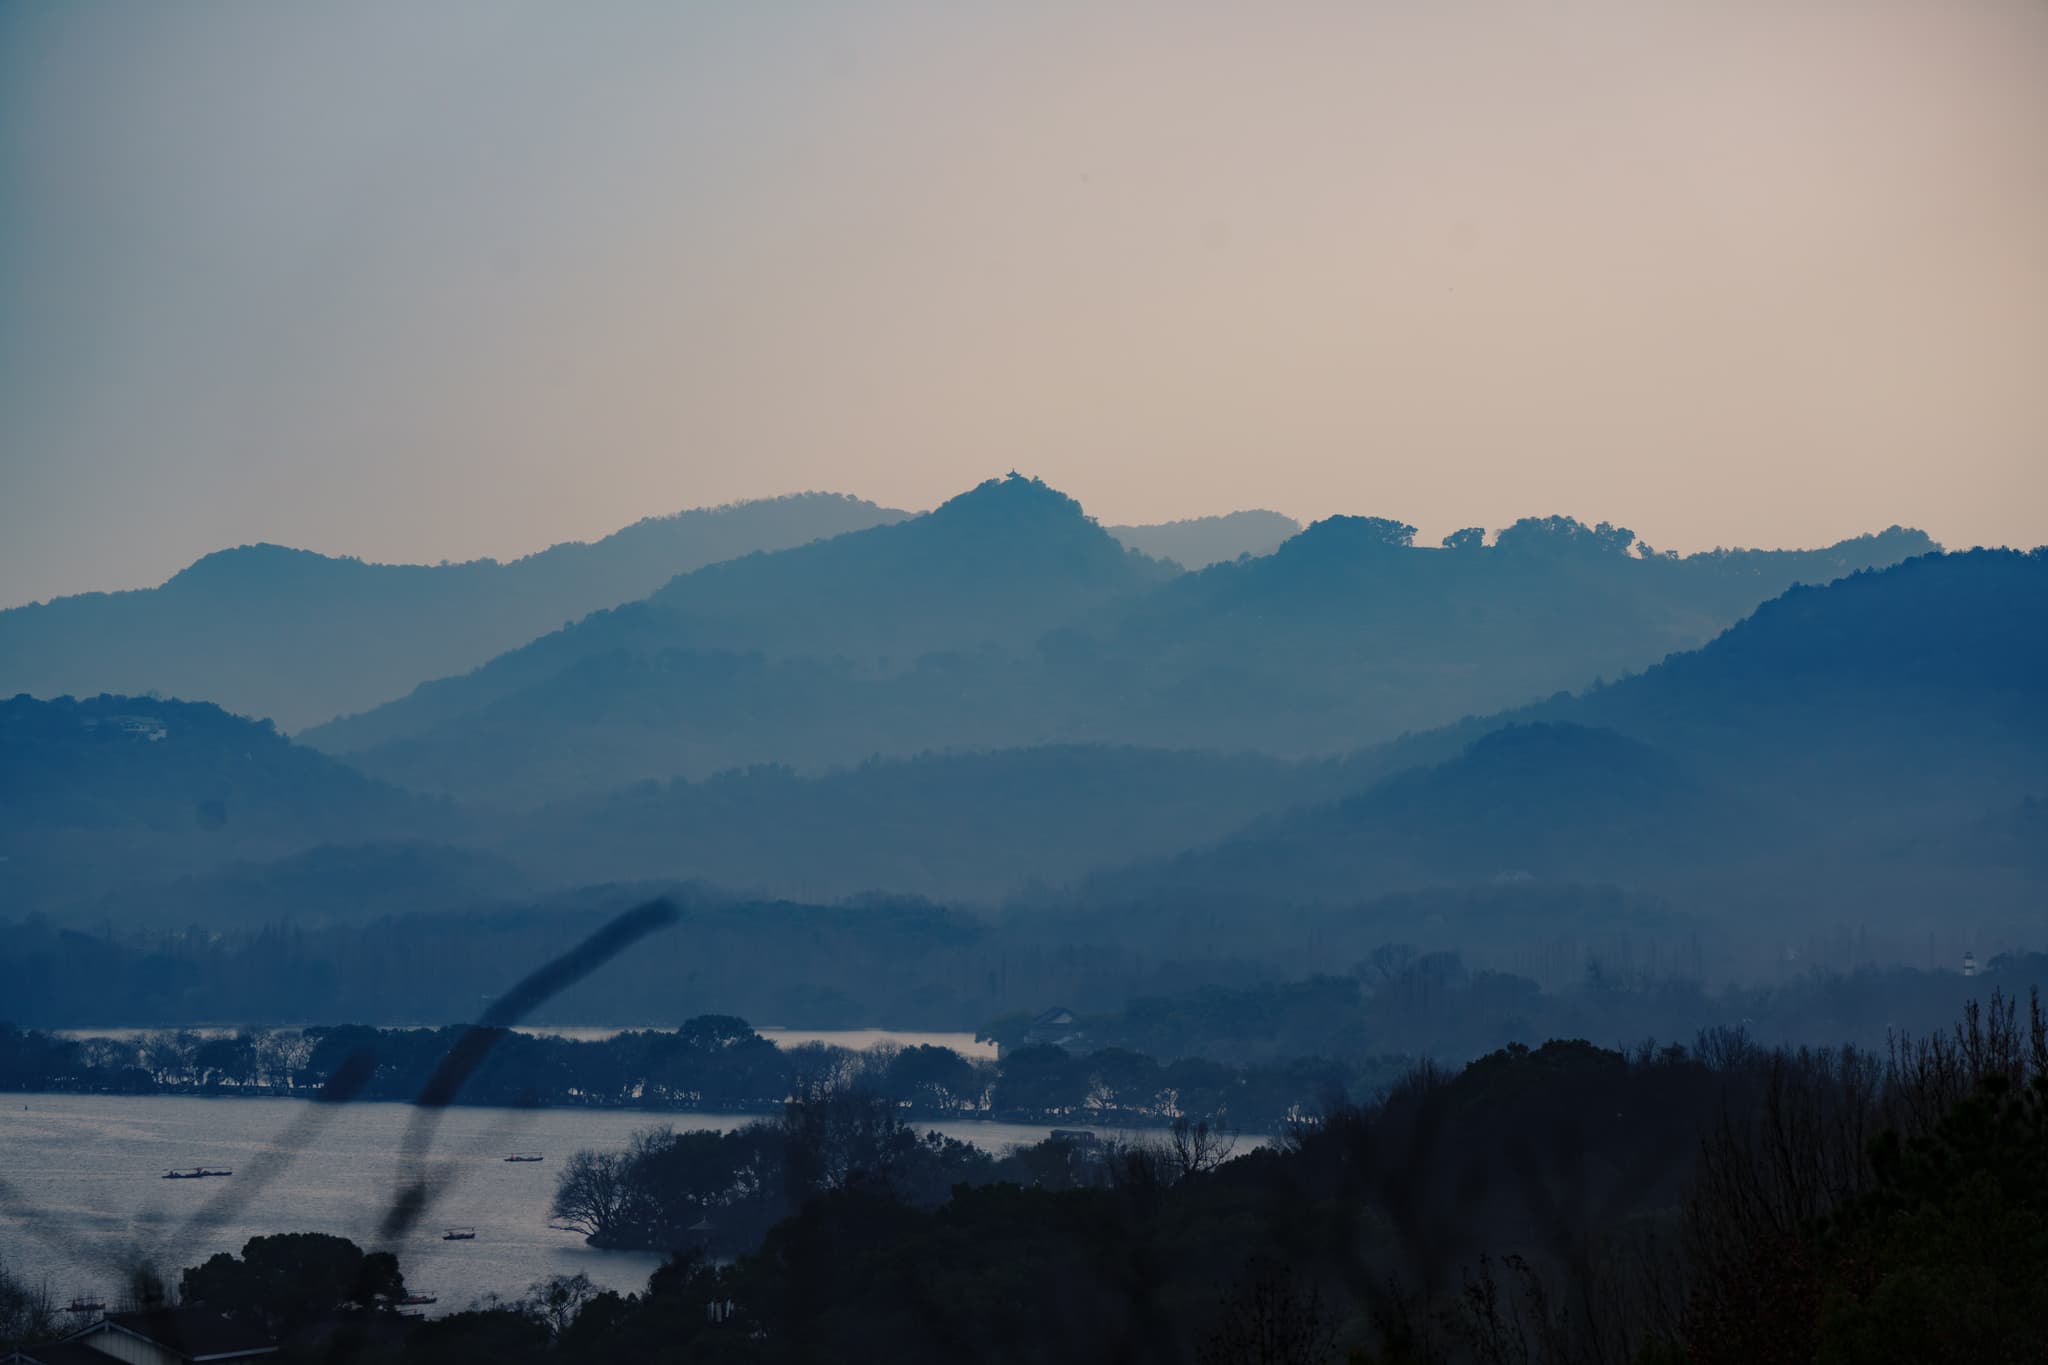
(1561, 1205)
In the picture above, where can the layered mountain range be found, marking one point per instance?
(1000, 699)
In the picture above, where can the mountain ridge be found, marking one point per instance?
(299, 637)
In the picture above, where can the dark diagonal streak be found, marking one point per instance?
(415, 1195)
(345, 1084)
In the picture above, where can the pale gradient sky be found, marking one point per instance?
(414, 281)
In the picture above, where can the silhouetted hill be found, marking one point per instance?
(1845, 748)
(632, 630)
(1006, 618)
(875, 641)
(999, 565)
(299, 637)
(1198, 542)
(619, 716)
(1930, 673)
(1349, 634)
(114, 790)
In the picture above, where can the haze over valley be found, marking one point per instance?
(1160, 684)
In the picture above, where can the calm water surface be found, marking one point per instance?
(85, 1191)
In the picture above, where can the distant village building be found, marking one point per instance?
(1056, 1027)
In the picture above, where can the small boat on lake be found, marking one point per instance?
(196, 1173)
(526, 1156)
(459, 1235)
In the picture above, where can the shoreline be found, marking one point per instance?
(1118, 1122)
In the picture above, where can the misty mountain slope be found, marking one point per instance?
(1349, 634)
(1931, 671)
(993, 568)
(999, 565)
(1345, 636)
(1198, 542)
(325, 884)
(624, 716)
(972, 826)
(1853, 740)
(632, 630)
(299, 637)
(880, 641)
(122, 789)
(1550, 801)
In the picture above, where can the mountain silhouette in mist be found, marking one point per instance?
(1836, 747)
(113, 790)
(1349, 634)
(299, 637)
(1198, 542)
(1862, 748)
(999, 565)
(780, 656)
(1007, 618)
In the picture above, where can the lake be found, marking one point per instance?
(85, 1192)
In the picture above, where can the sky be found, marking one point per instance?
(421, 282)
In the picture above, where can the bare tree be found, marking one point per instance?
(1193, 1147)
(595, 1193)
(28, 1312)
(1270, 1322)
(557, 1301)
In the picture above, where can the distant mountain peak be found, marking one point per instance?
(1354, 533)
(260, 554)
(1542, 748)
(1198, 542)
(1015, 498)
(1018, 524)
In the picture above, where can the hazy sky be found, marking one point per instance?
(414, 281)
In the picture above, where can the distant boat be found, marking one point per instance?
(526, 1156)
(196, 1173)
(418, 1300)
(459, 1235)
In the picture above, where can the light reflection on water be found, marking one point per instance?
(90, 1168)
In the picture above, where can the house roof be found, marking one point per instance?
(55, 1353)
(194, 1333)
